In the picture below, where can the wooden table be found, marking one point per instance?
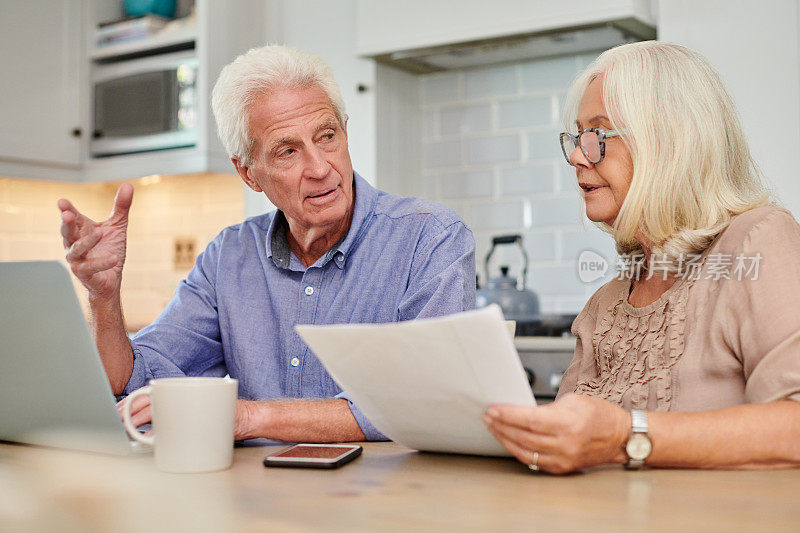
(389, 488)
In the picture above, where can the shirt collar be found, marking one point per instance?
(278, 249)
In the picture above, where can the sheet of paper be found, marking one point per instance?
(426, 383)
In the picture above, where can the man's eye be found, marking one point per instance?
(328, 136)
(287, 152)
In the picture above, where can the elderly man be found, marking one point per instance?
(336, 251)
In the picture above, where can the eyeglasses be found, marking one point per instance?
(591, 140)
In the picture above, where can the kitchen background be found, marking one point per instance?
(480, 138)
(490, 152)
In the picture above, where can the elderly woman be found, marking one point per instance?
(691, 359)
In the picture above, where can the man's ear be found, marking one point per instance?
(244, 173)
(344, 126)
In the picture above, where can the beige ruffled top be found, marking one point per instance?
(728, 334)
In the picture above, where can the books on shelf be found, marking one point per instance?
(128, 29)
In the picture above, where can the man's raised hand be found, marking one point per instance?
(96, 250)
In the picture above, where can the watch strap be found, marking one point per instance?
(638, 421)
(638, 426)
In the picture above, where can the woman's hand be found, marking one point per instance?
(573, 433)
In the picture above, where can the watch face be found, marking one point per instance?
(638, 447)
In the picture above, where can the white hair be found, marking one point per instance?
(256, 73)
(692, 169)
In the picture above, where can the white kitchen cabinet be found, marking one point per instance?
(49, 91)
(386, 26)
(223, 30)
(40, 96)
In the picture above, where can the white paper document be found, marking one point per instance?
(426, 383)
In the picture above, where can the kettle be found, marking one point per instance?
(518, 303)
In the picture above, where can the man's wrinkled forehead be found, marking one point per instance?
(270, 111)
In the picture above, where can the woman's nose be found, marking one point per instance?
(578, 159)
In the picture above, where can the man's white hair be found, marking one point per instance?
(692, 169)
(257, 73)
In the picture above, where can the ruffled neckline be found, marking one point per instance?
(652, 307)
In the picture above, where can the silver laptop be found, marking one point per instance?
(53, 389)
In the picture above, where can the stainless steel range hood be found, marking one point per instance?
(524, 47)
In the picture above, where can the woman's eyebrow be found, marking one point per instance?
(597, 119)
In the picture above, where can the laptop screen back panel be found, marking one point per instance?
(53, 388)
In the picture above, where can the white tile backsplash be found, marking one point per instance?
(521, 113)
(478, 184)
(557, 211)
(540, 246)
(466, 119)
(491, 82)
(566, 179)
(442, 154)
(543, 144)
(491, 152)
(494, 149)
(575, 241)
(549, 74)
(439, 88)
(527, 180)
(556, 280)
(430, 125)
(499, 215)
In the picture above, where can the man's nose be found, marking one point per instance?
(317, 165)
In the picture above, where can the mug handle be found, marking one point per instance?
(126, 417)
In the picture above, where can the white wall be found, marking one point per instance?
(328, 29)
(754, 46)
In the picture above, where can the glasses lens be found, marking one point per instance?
(568, 144)
(590, 144)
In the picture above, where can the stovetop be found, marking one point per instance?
(546, 326)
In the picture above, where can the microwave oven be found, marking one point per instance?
(145, 104)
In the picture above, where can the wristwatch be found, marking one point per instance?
(638, 446)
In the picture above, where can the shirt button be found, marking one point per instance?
(340, 258)
(309, 290)
(295, 361)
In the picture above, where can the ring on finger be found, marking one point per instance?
(534, 465)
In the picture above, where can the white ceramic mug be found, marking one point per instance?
(193, 421)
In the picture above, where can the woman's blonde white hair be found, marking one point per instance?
(255, 74)
(692, 169)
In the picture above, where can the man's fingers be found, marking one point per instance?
(65, 205)
(87, 268)
(122, 204)
(79, 248)
(138, 403)
(145, 416)
(69, 228)
(140, 410)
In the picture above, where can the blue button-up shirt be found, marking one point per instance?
(235, 312)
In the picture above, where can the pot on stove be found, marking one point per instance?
(517, 302)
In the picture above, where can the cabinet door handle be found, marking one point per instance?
(76, 132)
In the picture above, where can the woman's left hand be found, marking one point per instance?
(573, 433)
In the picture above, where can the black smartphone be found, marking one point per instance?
(314, 456)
